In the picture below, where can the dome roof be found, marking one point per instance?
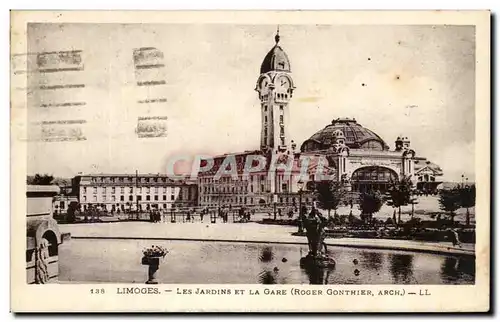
(276, 59)
(356, 137)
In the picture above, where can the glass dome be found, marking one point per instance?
(356, 137)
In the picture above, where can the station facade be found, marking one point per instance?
(355, 155)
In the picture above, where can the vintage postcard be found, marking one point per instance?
(250, 161)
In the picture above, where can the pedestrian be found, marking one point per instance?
(455, 239)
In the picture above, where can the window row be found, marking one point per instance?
(229, 179)
(129, 179)
(130, 198)
(105, 190)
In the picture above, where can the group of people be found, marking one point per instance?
(155, 216)
(244, 215)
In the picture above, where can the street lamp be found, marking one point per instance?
(300, 185)
(275, 200)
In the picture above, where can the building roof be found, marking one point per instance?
(43, 189)
(355, 136)
(113, 175)
(179, 179)
(276, 59)
(422, 164)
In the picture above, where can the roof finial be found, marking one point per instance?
(277, 37)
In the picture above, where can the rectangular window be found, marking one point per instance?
(113, 198)
(131, 190)
(94, 199)
(156, 198)
(84, 198)
(122, 190)
(265, 119)
(95, 190)
(147, 198)
(140, 189)
(262, 188)
(281, 108)
(85, 190)
(164, 197)
(282, 130)
(156, 189)
(172, 197)
(281, 119)
(130, 198)
(139, 198)
(265, 108)
(122, 198)
(113, 190)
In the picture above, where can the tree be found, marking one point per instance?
(73, 210)
(399, 194)
(44, 180)
(329, 195)
(370, 203)
(450, 201)
(467, 200)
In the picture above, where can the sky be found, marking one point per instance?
(416, 81)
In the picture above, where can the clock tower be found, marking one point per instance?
(275, 88)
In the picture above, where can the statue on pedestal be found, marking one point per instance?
(315, 225)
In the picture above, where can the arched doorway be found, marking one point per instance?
(372, 178)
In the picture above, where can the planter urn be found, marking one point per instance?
(153, 263)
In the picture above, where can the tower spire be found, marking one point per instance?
(277, 37)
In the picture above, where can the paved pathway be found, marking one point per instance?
(247, 232)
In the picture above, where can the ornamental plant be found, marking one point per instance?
(155, 251)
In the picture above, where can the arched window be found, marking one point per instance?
(372, 178)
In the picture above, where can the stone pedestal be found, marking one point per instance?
(318, 268)
(153, 264)
(320, 261)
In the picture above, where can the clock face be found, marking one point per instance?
(284, 82)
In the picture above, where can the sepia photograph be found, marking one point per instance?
(206, 154)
